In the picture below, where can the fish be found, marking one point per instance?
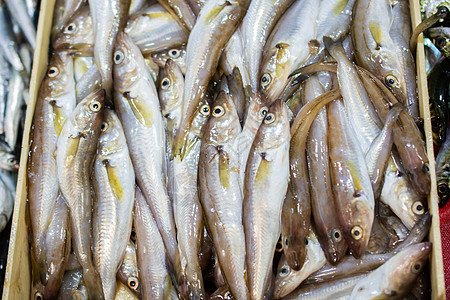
(63, 12)
(77, 36)
(76, 148)
(137, 105)
(128, 272)
(215, 24)
(136, 5)
(395, 277)
(72, 285)
(443, 171)
(441, 38)
(13, 109)
(288, 47)
(154, 29)
(54, 105)
(266, 181)
(89, 82)
(8, 160)
(178, 55)
(109, 17)
(113, 182)
(222, 293)
(9, 47)
(181, 11)
(220, 193)
(5, 75)
(19, 12)
(154, 274)
(288, 279)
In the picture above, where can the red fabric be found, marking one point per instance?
(444, 214)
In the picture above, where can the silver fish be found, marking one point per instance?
(9, 46)
(19, 13)
(14, 104)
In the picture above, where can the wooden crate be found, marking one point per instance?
(18, 270)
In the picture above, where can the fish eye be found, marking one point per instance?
(418, 208)
(336, 235)
(38, 296)
(133, 283)
(440, 42)
(306, 242)
(204, 110)
(426, 168)
(104, 127)
(218, 111)
(442, 11)
(165, 83)
(284, 270)
(442, 189)
(416, 267)
(12, 161)
(95, 106)
(269, 118)
(357, 232)
(263, 111)
(53, 71)
(265, 79)
(228, 295)
(70, 28)
(174, 53)
(279, 246)
(118, 57)
(391, 81)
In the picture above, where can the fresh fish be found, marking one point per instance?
(378, 49)
(109, 17)
(441, 38)
(287, 279)
(63, 12)
(13, 109)
(395, 277)
(113, 182)
(89, 82)
(9, 46)
(352, 187)
(178, 55)
(54, 105)
(266, 180)
(154, 29)
(261, 17)
(155, 278)
(8, 160)
(180, 11)
(128, 272)
(216, 23)
(5, 75)
(19, 12)
(443, 171)
(6, 204)
(136, 5)
(26, 56)
(222, 293)
(237, 93)
(288, 47)
(81, 65)
(220, 192)
(77, 36)
(75, 152)
(137, 104)
(70, 285)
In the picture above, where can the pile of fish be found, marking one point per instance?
(437, 46)
(229, 149)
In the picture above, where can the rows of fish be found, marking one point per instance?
(437, 46)
(229, 149)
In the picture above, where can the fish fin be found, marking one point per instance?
(224, 169)
(114, 180)
(140, 110)
(339, 7)
(72, 150)
(376, 32)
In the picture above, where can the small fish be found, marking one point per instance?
(128, 272)
(443, 171)
(14, 104)
(63, 12)
(19, 13)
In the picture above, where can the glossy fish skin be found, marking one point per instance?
(70, 284)
(377, 51)
(55, 103)
(89, 82)
(215, 24)
(288, 279)
(154, 29)
(63, 12)
(108, 17)
(352, 186)
(19, 13)
(182, 12)
(395, 277)
(78, 35)
(75, 153)
(137, 104)
(5, 75)
(322, 199)
(443, 171)
(128, 272)
(220, 192)
(14, 103)
(153, 272)
(9, 46)
(113, 183)
(288, 47)
(261, 17)
(178, 55)
(266, 180)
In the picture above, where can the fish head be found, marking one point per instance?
(334, 245)
(420, 177)
(59, 74)
(438, 123)
(112, 137)
(275, 72)
(8, 161)
(443, 191)
(171, 88)
(257, 110)
(223, 124)
(441, 38)
(276, 126)
(283, 279)
(78, 35)
(89, 112)
(222, 293)
(38, 291)
(178, 55)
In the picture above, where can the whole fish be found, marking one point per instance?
(128, 272)
(220, 192)
(9, 47)
(266, 180)
(261, 17)
(109, 17)
(377, 50)
(443, 171)
(75, 153)
(19, 12)
(155, 279)
(63, 13)
(288, 47)
(154, 29)
(352, 187)
(287, 279)
(113, 182)
(395, 277)
(178, 55)
(215, 24)
(137, 104)
(13, 109)
(78, 35)
(54, 105)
